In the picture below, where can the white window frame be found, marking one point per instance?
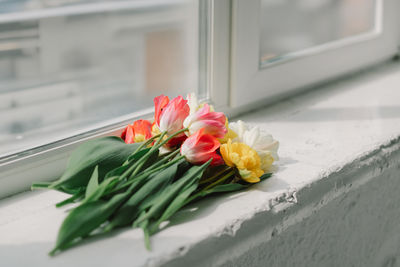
(232, 76)
(250, 83)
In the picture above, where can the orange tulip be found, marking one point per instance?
(138, 132)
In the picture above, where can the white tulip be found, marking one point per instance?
(262, 142)
(193, 103)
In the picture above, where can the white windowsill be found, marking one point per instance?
(322, 133)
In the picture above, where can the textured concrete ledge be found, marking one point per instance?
(349, 218)
(333, 201)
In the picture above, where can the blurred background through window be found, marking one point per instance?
(70, 65)
(292, 26)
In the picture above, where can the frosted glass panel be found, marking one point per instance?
(291, 26)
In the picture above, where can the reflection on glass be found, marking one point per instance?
(64, 73)
(289, 26)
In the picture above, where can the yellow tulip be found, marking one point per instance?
(244, 158)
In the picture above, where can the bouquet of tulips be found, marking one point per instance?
(187, 152)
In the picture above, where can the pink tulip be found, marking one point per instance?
(212, 122)
(200, 147)
(173, 115)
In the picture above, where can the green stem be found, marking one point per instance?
(40, 185)
(165, 159)
(172, 136)
(146, 173)
(146, 238)
(156, 146)
(128, 171)
(212, 178)
(160, 139)
(155, 165)
(134, 168)
(221, 180)
(146, 143)
(198, 194)
(139, 164)
(168, 164)
(69, 200)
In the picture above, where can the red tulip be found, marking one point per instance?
(200, 147)
(176, 141)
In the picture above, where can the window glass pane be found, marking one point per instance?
(289, 27)
(67, 66)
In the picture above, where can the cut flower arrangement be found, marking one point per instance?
(187, 152)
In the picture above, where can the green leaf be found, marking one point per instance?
(138, 154)
(85, 218)
(192, 176)
(106, 152)
(47, 185)
(72, 199)
(153, 157)
(93, 182)
(81, 221)
(184, 198)
(146, 233)
(121, 169)
(153, 198)
(129, 211)
(223, 188)
(145, 227)
(177, 203)
(101, 189)
(116, 172)
(265, 176)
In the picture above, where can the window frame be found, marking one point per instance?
(47, 162)
(250, 83)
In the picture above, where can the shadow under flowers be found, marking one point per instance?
(206, 206)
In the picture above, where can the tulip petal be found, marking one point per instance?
(200, 147)
(128, 135)
(173, 115)
(212, 122)
(159, 104)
